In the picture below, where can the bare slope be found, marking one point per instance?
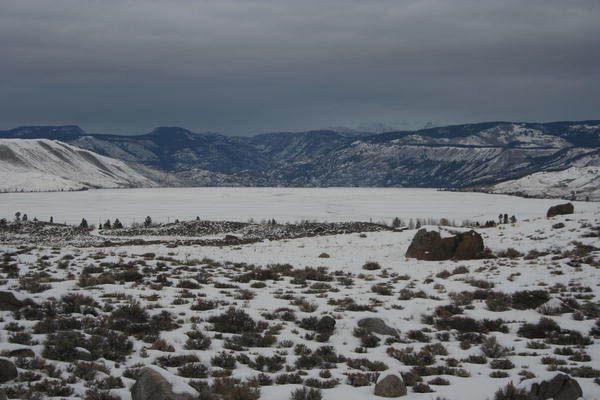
(31, 165)
(579, 182)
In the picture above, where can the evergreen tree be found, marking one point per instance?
(18, 216)
(117, 224)
(24, 218)
(396, 223)
(506, 218)
(148, 222)
(107, 224)
(84, 223)
(513, 219)
(51, 219)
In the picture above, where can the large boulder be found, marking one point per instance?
(152, 385)
(561, 209)
(377, 325)
(8, 371)
(561, 387)
(390, 386)
(430, 246)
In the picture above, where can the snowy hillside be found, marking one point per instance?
(32, 165)
(583, 181)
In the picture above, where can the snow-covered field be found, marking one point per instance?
(283, 204)
(170, 300)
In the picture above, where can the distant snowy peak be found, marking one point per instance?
(31, 165)
(583, 183)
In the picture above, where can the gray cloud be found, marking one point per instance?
(247, 66)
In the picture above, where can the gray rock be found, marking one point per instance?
(150, 385)
(8, 371)
(390, 386)
(377, 325)
(561, 387)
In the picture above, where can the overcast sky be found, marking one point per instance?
(243, 66)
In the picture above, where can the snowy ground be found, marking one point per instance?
(283, 204)
(172, 279)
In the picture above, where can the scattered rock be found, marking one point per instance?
(231, 240)
(326, 324)
(8, 302)
(558, 225)
(324, 255)
(8, 371)
(25, 353)
(151, 385)
(83, 354)
(561, 209)
(377, 325)
(561, 387)
(430, 246)
(390, 386)
(552, 307)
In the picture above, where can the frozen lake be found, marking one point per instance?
(283, 204)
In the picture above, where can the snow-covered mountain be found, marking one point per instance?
(49, 165)
(581, 183)
(460, 156)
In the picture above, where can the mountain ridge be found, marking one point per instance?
(456, 156)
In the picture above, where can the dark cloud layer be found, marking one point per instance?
(247, 66)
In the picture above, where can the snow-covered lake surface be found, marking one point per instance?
(283, 204)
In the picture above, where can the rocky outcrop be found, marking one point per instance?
(560, 209)
(430, 246)
(151, 385)
(8, 371)
(561, 387)
(377, 325)
(390, 386)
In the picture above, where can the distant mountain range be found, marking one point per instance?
(32, 165)
(460, 156)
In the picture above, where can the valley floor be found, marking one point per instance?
(255, 313)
